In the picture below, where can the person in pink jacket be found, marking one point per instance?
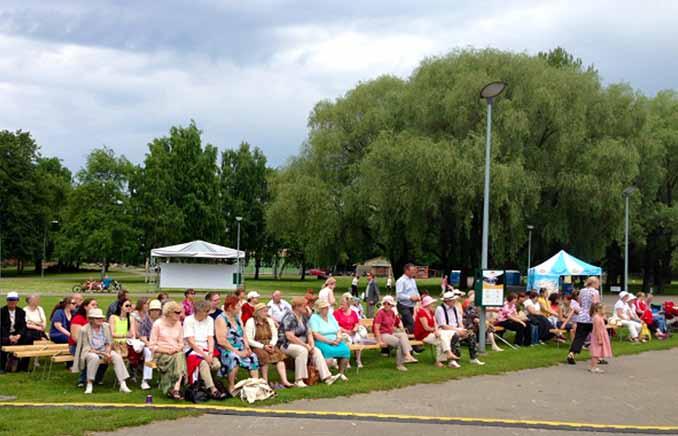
(600, 348)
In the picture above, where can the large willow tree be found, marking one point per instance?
(395, 166)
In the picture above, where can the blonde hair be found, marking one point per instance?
(591, 281)
(170, 306)
(640, 295)
(347, 297)
(329, 281)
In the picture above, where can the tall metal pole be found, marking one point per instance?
(44, 253)
(238, 249)
(529, 250)
(486, 214)
(626, 244)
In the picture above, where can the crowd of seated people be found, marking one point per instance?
(198, 339)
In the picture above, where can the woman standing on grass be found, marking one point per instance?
(588, 296)
(600, 342)
(327, 292)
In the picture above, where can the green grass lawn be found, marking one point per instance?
(379, 374)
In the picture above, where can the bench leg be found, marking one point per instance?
(505, 342)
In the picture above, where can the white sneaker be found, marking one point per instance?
(454, 364)
(300, 384)
(145, 386)
(342, 377)
(477, 362)
(89, 388)
(124, 388)
(331, 379)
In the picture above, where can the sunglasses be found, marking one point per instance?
(177, 312)
(73, 302)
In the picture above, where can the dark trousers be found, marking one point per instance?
(522, 335)
(354, 290)
(23, 363)
(407, 316)
(583, 331)
(469, 341)
(544, 326)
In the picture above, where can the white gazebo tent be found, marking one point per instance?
(197, 264)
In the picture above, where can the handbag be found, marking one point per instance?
(197, 392)
(313, 374)
(120, 348)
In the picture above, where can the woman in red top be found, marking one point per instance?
(645, 314)
(349, 323)
(426, 330)
(385, 324)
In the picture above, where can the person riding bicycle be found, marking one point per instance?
(106, 282)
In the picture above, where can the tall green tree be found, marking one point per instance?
(244, 193)
(175, 194)
(97, 222)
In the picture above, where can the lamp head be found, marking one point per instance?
(628, 191)
(492, 90)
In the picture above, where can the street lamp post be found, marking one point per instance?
(489, 92)
(529, 247)
(238, 219)
(626, 194)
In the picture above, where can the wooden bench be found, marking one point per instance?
(368, 323)
(43, 346)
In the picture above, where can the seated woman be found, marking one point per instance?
(61, 321)
(325, 331)
(627, 316)
(167, 344)
(122, 327)
(201, 358)
(36, 322)
(143, 324)
(349, 323)
(509, 319)
(556, 317)
(95, 346)
(385, 324)
(234, 349)
(426, 330)
(537, 318)
(644, 312)
(296, 341)
(262, 335)
(79, 320)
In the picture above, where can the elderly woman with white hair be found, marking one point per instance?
(36, 321)
(95, 343)
(389, 331)
(326, 335)
(167, 343)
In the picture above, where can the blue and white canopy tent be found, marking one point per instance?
(548, 274)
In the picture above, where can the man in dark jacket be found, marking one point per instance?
(13, 330)
(371, 295)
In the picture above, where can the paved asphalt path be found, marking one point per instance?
(636, 390)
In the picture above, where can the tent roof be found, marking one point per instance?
(197, 249)
(376, 262)
(564, 264)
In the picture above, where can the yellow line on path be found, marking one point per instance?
(234, 410)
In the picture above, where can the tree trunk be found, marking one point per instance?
(303, 269)
(38, 265)
(257, 265)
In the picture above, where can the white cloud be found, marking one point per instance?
(74, 95)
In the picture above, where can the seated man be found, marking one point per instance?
(450, 316)
(199, 348)
(13, 330)
(278, 307)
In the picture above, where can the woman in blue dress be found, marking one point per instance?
(234, 350)
(327, 338)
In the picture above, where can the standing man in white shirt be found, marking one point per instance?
(407, 296)
(277, 307)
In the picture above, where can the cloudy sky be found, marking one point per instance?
(82, 74)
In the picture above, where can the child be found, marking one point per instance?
(600, 342)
